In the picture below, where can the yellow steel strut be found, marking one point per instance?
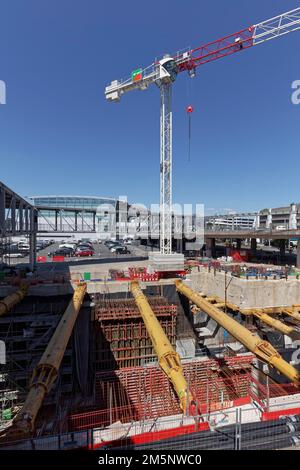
(168, 359)
(11, 300)
(46, 371)
(262, 349)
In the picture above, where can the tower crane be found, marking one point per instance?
(163, 73)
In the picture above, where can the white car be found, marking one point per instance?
(23, 246)
(13, 255)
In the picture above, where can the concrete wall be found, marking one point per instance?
(247, 293)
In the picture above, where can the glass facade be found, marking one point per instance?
(77, 202)
(67, 222)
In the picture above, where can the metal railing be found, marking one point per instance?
(246, 427)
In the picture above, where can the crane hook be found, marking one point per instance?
(189, 111)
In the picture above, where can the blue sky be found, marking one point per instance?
(58, 135)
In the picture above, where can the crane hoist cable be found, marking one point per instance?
(189, 111)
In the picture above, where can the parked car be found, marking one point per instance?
(23, 247)
(120, 249)
(86, 244)
(84, 251)
(13, 255)
(110, 243)
(114, 246)
(85, 247)
(72, 246)
(67, 252)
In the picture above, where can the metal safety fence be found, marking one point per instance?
(246, 427)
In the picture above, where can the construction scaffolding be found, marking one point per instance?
(46, 372)
(120, 336)
(142, 393)
(25, 331)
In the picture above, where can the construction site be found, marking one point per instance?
(165, 349)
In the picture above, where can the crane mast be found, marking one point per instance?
(163, 73)
(166, 168)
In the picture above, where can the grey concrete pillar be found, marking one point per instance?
(210, 247)
(269, 219)
(253, 246)
(32, 239)
(179, 245)
(21, 217)
(13, 215)
(2, 212)
(282, 247)
(298, 254)
(26, 219)
(293, 217)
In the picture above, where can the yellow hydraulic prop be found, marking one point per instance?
(168, 359)
(276, 324)
(261, 314)
(291, 313)
(46, 371)
(11, 300)
(262, 349)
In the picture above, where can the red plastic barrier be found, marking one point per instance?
(41, 259)
(270, 415)
(155, 436)
(239, 256)
(58, 258)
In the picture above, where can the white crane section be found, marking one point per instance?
(277, 26)
(163, 73)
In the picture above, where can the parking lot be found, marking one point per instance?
(102, 254)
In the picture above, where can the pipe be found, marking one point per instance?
(262, 349)
(168, 359)
(46, 371)
(11, 300)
